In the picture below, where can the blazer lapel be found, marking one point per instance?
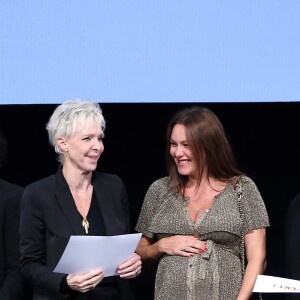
(67, 205)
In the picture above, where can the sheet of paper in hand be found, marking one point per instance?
(271, 284)
(87, 253)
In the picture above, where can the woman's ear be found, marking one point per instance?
(62, 144)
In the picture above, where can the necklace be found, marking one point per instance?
(85, 224)
(196, 211)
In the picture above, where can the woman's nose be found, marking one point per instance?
(97, 145)
(179, 151)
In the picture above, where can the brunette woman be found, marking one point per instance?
(195, 220)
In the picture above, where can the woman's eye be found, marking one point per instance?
(87, 138)
(173, 144)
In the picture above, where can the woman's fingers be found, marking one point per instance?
(183, 245)
(85, 282)
(191, 250)
(195, 247)
(135, 259)
(93, 281)
(131, 268)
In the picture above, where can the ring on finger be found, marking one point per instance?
(184, 248)
(136, 272)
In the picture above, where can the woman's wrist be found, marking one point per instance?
(160, 246)
(64, 286)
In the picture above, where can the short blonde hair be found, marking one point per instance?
(66, 116)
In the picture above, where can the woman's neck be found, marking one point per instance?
(206, 184)
(77, 180)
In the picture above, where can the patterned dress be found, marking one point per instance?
(217, 273)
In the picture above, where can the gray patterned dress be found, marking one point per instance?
(215, 274)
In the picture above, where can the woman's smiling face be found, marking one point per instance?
(181, 152)
(84, 147)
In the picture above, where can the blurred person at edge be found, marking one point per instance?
(192, 222)
(11, 281)
(76, 200)
(293, 243)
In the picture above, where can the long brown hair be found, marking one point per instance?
(208, 143)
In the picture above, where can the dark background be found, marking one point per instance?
(264, 137)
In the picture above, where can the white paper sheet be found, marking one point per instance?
(86, 253)
(271, 284)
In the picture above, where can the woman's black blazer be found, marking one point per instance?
(47, 222)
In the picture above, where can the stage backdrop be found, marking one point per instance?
(149, 51)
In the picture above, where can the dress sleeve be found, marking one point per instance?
(254, 210)
(149, 210)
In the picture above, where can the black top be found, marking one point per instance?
(107, 288)
(97, 227)
(95, 219)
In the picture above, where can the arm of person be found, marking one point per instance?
(12, 284)
(33, 244)
(255, 245)
(149, 247)
(184, 245)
